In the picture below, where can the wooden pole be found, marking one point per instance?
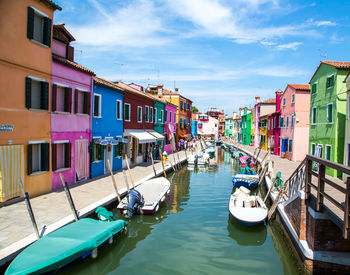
(113, 180)
(270, 189)
(69, 197)
(161, 159)
(30, 210)
(154, 169)
(130, 175)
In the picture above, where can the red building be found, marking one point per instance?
(189, 117)
(138, 123)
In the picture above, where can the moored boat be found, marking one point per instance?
(210, 150)
(247, 160)
(192, 159)
(204, 159)
(249, 181)
(247, 209)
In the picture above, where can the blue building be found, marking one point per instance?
(193, 127)
(108, 143)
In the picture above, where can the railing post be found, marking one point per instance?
(320, 186)
(346, 229)
(308, 176)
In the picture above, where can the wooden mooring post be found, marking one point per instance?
(161, 159)
(154, 169)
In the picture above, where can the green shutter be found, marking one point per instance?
(100, 152)
(30, 23)
(29, 159)
(332, 79)
(45, 157)
(47, 31)
(44, 99)
(92, 153)
(28, 92)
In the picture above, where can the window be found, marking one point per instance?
(119, 150)
(61, 155)
(290, 145)
(155, 115)
(313, 149)
(126, 112)
(39, 27)
(292, 121)
(314, 88)
(313, 115)
(185, 123)
(319, 148)
(36, 94)
(151, 115)
(139, 114)
(180, 122)
(181, 105)
(174, 117)
(146, 113)
(165, 116)
(97, 105)
(140, 149)
(287, 122)
(328, 151)
(284, 101)
(61, 98)
(170, 115)
(185, 106)
(293, 97)
(38, 157)
(82, 102)
(330, 113)
(330, 81)
(97, 150)
(119, 109)
(281, 122)
(162, 116)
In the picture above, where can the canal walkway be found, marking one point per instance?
(52, 210)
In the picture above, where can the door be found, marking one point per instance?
(81, 159)
(108, 157)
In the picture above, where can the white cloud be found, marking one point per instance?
(267, 43)
(290, 46)
(325, 23)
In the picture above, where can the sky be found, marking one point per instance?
(219, 53)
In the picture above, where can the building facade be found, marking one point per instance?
(276, 124)
(170, 127)
(208, 127)
(25, 67)
(295, 115)
(262, 109)
(328, 112)
(70, 112)
(347, 124)
(228, 126)
(246, 126)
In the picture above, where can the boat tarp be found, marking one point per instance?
(64, 245)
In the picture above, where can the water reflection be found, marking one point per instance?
(246, 236)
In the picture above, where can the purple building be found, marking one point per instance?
(170, 126)
(71, 111)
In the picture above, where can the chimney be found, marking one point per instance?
(257, 99)
(160, 89)
(278, 100)
(176, 89)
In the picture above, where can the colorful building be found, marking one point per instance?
(228, 126)
(194, 125)
(246, 126)
(276, 129)
(262, 109)
(25, 67)
(295, 116)
(208, 127)
(270, 136)
(328, 112)
(170, 127)
(347, 124)
(263, 120)
(252, 127)
(220, 116)
(108, 144)
(70, 112)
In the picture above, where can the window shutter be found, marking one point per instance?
(92, 155)
(100, 152)
(54, 157)
(44, 100)
(28, 92)
(30, 23)
(29, 159)
(70, 53)
(76, 94)
(96, 105)
(68, 100)
(67, 153)
(332, 79)
(54, 97)
(47, 31)
(87, 99)
(45, 157)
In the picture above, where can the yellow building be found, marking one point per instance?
(263, 132)
(252, 128)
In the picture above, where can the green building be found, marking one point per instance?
(228, 126)
(246, 126)
(328, 112)
(159, 118)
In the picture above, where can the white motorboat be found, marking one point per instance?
(247, 209)
(204, 159)
(192, 159)
(153, 192)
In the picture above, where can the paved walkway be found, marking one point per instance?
(53, 211)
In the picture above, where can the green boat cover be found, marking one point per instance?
(64, 245)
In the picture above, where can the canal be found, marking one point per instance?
(193, 233)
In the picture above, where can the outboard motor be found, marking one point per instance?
(135, 203)
(249, 161)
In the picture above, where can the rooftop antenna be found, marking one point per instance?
(323, 53)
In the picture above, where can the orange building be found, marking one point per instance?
(25, 68)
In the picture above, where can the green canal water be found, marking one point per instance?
(193, 233)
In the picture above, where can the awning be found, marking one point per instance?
(141, 135)
(121, 139)
(156, 135)
(183, 136)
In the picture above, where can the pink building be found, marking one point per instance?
(170, 126)
(208, 127)
(71, 115)
(294, 121)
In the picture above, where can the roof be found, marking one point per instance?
(166, 92)
(106, 83)
(271, 100)
(341, 65)
(67, 34)
(300, 87)
(72, 64)
(52, 4)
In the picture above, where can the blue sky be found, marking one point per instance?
(220, 53)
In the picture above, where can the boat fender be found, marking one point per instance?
(168, 192)
(94, 253)
(163, 199)
(157, 208)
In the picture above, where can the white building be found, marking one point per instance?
(208, 127)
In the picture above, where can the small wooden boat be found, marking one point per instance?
(245, 180)
(204, 159)
(246, 209)
(153, 191)
(192, 159)
(72, 242)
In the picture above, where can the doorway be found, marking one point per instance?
(108, 156)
